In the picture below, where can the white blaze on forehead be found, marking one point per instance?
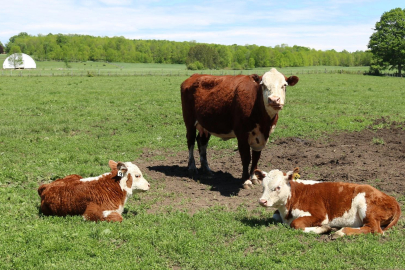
(273, 179)
(273, 78)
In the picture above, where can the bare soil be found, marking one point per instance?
(372, 156)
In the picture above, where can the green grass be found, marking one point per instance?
(54, 126)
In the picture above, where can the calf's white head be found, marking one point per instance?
(131, 177)
(274, 86)
(276, 187)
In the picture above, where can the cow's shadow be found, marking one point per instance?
(254, 222)
(220, 181)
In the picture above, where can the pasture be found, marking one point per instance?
(335, 127)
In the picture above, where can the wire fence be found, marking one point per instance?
(120, 73)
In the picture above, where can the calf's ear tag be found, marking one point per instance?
(296, 176)
(120, 174)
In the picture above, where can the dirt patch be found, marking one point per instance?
(372, 156)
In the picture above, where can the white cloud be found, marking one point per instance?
(333, 24)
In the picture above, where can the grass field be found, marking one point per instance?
(54, 126)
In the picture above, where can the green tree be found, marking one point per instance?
(204, 54)
(387, 43)
(251, 63)
(1, 48)
(225, 56)
(261, 56)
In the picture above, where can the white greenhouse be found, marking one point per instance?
(19, 60)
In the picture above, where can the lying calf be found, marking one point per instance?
(314, 206)
(95, 198)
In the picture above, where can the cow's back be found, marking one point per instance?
(214, 101)
(65, 196)
(338, 199)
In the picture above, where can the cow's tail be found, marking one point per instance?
(395, 217)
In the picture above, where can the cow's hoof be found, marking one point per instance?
(248, 184)
(337, 235)
(207, 171)
(256, 182)
(192, 173)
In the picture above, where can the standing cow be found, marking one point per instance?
(243, 107)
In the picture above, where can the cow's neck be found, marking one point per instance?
(285, 205)
(272, 114)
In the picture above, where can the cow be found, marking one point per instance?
(245, 107)
(315, 206)
(100, 198)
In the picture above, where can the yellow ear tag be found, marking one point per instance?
(296, 176)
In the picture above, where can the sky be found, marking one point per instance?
(318, 24)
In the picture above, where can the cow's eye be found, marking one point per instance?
(137, 175)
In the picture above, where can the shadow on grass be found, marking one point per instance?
(220, 181)
(255, 222)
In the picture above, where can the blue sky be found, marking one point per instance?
(318, 24)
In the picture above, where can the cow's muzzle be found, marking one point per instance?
(263, 202)
(275, 103)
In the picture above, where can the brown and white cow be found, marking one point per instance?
(314, 206)
(100, 198)
(243, 107)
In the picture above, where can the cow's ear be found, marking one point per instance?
(292, 80)
(256, 78)
(112, 164)
(293, 175)
(260, 174)
(122, 169)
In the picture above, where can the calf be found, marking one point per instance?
(100, 198)
(314, 206)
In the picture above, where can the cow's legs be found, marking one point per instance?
(310, 224)
(369, 227)
(255, 160)
(244, 151)
(202, 142)
(191, 135)
(95, 212)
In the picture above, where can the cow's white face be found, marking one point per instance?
(138, 182)
(274, 87)
(131, 177)
(276, 189)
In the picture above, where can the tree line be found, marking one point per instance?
(195, 55)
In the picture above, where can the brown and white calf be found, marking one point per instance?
(245, 107)
(100, 198)
(314, 206)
